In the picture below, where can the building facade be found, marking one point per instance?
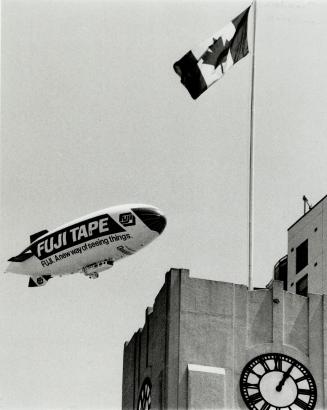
(307, 252)
(216, 345)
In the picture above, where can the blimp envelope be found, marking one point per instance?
(89, 244)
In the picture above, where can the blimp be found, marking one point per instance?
(88, 245)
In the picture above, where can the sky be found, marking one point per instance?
(93, 115)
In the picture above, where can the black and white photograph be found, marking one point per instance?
(163, 205)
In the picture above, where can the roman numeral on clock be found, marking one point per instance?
(251, 386)
(278, 363)
(300, 379)
(304, 391)
(256, 374)
(300, 403)
(255, 398)
(265, 366)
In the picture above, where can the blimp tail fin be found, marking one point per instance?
(36, 235)
(21, 257)
(38, 281)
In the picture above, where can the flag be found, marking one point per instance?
(207, 63)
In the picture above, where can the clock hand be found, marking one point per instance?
(285, 377)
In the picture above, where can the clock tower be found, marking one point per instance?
(215, 345)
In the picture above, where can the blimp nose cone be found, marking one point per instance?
(152, 218)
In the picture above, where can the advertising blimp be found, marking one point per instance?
(90, 244)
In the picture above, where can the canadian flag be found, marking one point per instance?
(208, 62)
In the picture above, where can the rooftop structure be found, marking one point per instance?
(304, 269)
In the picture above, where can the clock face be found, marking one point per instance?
(144, 402)
(274, 381)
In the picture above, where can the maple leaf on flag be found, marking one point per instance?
(216, 53)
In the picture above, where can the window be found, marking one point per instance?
(280, 271)
(144, 401)
(301, 256)
(302, 286)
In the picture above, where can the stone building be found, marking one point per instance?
(304, 269)
(215, 345)
(307, 251)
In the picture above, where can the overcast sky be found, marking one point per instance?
(93, 115)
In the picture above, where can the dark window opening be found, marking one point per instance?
(302, 256)
(280, 271)
(302, 286)
(144, 401)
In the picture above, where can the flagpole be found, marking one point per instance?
(251, 153)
